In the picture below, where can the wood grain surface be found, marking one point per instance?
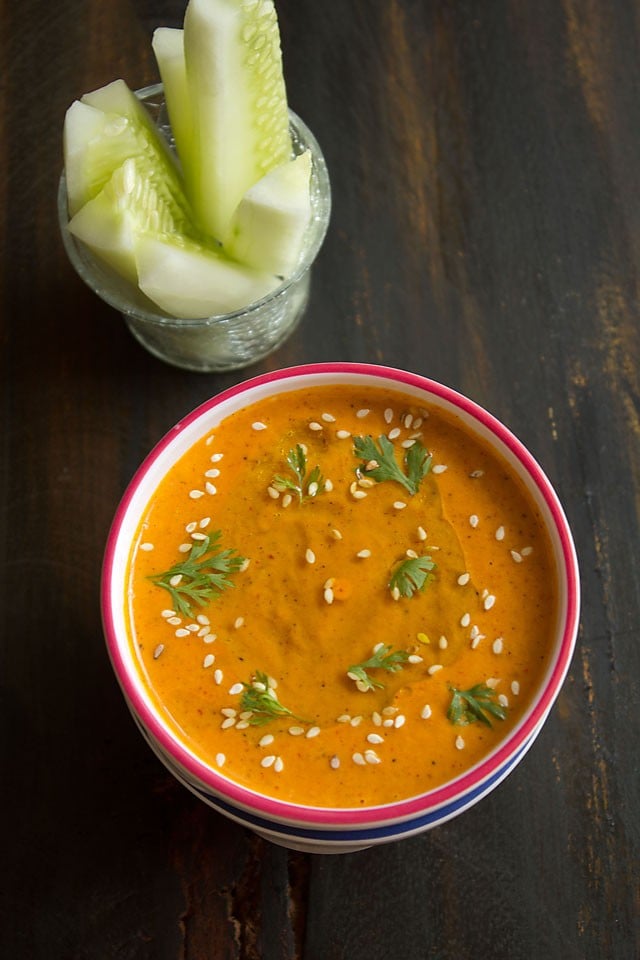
(484, 158)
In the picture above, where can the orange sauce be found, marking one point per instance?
(315, 599)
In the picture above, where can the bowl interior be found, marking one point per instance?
(200, 422)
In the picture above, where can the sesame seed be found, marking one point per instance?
(475, 642)
(220, 759)
(394, 434)
(412, 554)
(208, 661)
(399, 504)
(375, 738)
(362, 413)
(213, 473)
(328, 418)
(312, 489)
(238, 622)
(286, 500)
(216, 458)
(174, 581)
(273, 493)
(203, 619)
(414, 658)
(218, 677)
(465, 620)
(425, 713)
(463, 579)
(328, 595)
(395, 593)
(423, 638)
(192, 627)
(342, 434)
(355, 721)
(459, 743)
(158, 651)
(434, 669)
(377, 719)
(526, 551)
(210, 488)
(515, 688)
(476, 474)
(196, 494)
(371, 756)
(366, 482)
(228, 723)
(147, 547)
(517, 557)
(268, 761)
(244, 565)
(328, 486)
(387, 723)
(296, 731)
(497, 645)
(474, 520)
(312, 732)
(236, 689)
(363, 554)
(278, 765)
(489, 601)
(399, 721)
(242, 725)
(344, 718)
(422, 533)
(443, 643)
(209, 637)
(503, 700)
(185, 547)
(388, 415)
(266, 740)
(310, 556)
(407, 422)
(168, 613)
(258, 425)
(198, 536)
(174, 621)
(336, 534)
(329, 583)
(389, 711)
(334, 763)
(417, 423)
(493, 682)
(315, 426)
(358, 494)
(439, 468)
(359, 759)
(407, 444)
(499, 533)
(181, 632)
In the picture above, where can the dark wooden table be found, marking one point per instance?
(485, 162)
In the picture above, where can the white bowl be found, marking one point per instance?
(322, 829)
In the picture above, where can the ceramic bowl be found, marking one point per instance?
(321, 829)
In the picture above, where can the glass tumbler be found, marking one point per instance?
(220, 342)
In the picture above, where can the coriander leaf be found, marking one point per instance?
(201, 577)
(382, 659)
(297, 462)
(477, 703)
(411, 575)
(380, 462)
(261, 700)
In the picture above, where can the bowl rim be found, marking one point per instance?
(450, 792)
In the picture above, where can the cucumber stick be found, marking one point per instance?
(239, 127)
(268, 226)
(217, 227)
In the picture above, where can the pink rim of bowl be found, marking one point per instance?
(199, 422)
